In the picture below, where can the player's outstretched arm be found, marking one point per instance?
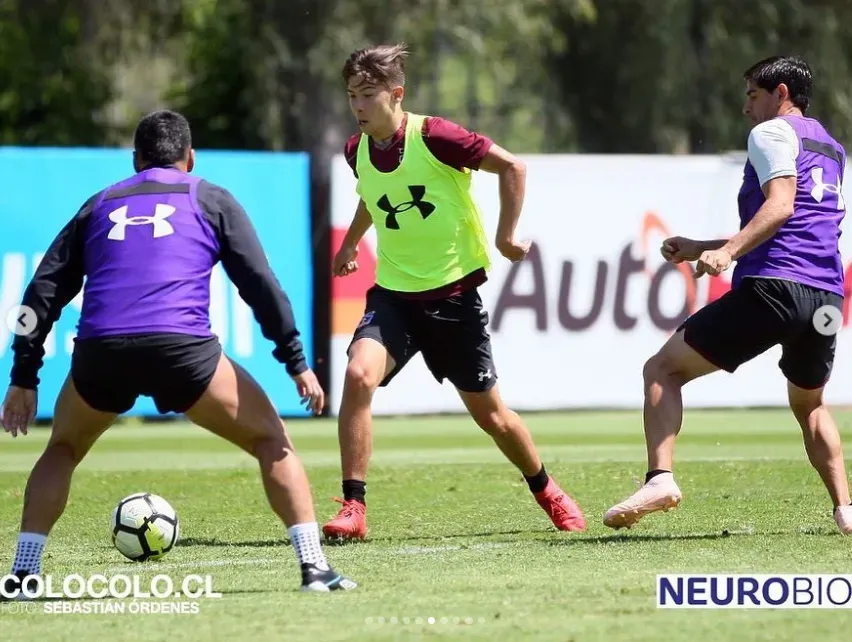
(776, 209)
(513, 177)
(56, 281)
(677, 249)
(345, 260)
(246, 265)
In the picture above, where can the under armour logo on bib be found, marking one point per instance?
(820, 188)
(161, 226)
(417, 193)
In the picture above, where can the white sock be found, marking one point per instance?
(28, 555)
(306, 540)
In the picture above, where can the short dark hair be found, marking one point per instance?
(381, 64)
(162, 138)
(793, 72)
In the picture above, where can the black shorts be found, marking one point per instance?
(110, 373)
(451, 333)
(760, 314)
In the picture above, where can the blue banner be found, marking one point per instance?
(42, 188)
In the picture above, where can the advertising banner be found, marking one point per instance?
(573, 324)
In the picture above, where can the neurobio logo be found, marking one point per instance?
(614, 280)
(785, 591)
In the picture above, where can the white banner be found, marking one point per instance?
(573, 325)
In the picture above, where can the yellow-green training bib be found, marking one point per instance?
(428, 227)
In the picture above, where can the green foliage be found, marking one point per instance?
(536, 75)
(667, 76)
(50, 93)
(219, 87)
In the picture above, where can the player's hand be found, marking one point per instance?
(513, 250)
(345, 262)
(310, 390)
(713, 262)
(19, 409)
(678, 249)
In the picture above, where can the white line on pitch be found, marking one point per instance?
(409, 550)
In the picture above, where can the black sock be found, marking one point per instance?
(538, 481)
(355, 489)
(653, 473)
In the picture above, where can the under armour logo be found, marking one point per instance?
(820, 188)
(161, 226)
(484, 375)
(417, 193)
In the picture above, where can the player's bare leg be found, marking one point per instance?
(369, 364)
(235, 407)
(513, 439)
(824, 448)
(665, 374)
(76, 427)
(505, 427)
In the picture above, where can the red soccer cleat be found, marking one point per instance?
(349, 523)
(563, 511)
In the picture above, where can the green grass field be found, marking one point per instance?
(455, 534)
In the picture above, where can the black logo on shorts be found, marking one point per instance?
(417, 193)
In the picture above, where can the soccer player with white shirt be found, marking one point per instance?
(788, 266)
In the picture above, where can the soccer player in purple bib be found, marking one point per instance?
(147, 246)
(788, 267)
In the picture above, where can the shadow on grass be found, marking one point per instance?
(212, 541)
(543, 536)
(390, 539)
(665, 537)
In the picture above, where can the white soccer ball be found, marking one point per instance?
(144, 527)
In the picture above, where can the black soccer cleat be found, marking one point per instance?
(14, 583)
(323, 581)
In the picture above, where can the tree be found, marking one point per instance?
(667, 76)
(51, 92)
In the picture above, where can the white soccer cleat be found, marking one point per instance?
(659, 494)
(843, 517)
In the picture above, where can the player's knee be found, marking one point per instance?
(268, 450)
(662, 370)
(804, 403)
(361, 379)
(498, 422)
(652, 371)
(65, 450)
(803, 408)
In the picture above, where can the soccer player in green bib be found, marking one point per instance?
(414, 180)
